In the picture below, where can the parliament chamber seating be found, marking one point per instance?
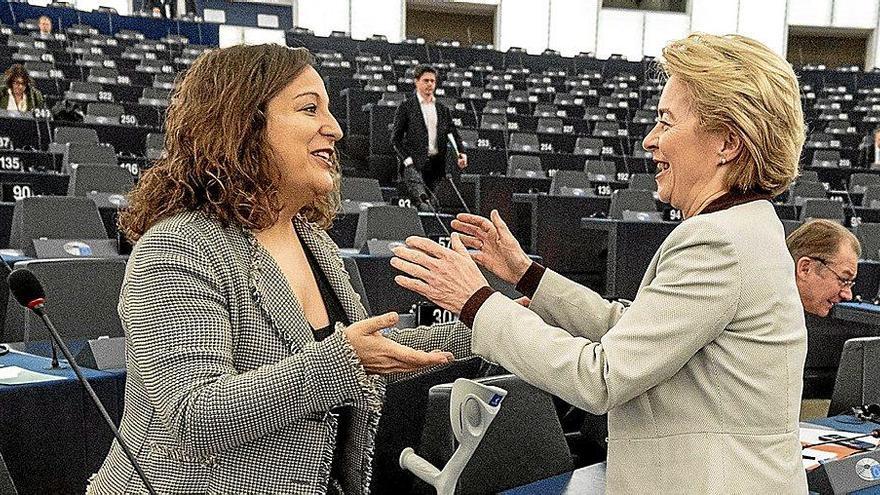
(551, 141)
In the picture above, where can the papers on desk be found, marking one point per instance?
(813, 457)
(13, 375)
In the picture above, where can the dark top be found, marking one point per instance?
(335, 314)
(530, 280)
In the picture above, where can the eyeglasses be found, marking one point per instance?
(845, 283)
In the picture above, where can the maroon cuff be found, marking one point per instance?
(470, 308)
(530, 280)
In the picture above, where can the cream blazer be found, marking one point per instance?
(701, 377)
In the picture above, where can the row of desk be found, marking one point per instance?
(107, 23)
(37, 134)
(52, 437)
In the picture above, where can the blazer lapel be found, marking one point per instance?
(326, 253)
(441, 118)
(273, 295)
(419, 116)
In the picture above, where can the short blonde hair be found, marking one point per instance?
(820, 239)
(739, 85)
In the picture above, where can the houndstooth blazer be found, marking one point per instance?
(227, 391)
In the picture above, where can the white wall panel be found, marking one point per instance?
(764, 20)
(238, 35)
(121, 6)
(369, 17)
(660, 29)
(573, 26)
(230, 35)
(714, 16)
(257, 36)
(323, 16)
(809, 12)
(620, 31)
(873, 57)
(523, 23)
(854, 13)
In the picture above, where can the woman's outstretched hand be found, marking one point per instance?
(495, 247)
(381, 355)
(447, 277)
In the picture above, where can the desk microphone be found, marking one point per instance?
(424, 199)
(852, 208)
(451, 139)
(36, 296)
(29, 293)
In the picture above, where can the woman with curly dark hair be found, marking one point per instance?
(252, 365)
(20, 94)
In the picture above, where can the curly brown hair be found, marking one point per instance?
(216, 158)
(16, 71)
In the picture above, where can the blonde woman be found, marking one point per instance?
(701, 376)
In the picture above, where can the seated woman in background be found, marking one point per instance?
(826, 262)
(20, 95)
(252, 365)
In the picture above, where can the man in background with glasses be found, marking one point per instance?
(826, 256)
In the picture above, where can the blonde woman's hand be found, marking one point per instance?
(495, 247)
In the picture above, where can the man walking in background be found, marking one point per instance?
(420, 139)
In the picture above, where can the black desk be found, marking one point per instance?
(381, 118)
(124, 138)
(51, 435)
(590, 480)
(204, 33)
(863, 313)
(25, 132)
(550, 227)
(345, 227)
(825, 339)
(787, 211)
(485, 161)
(383, 294)
(17, 185)
(838, 177)
(27, 160)
(108, 217)
(496, 192)
(356, 118)
(630, 247)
